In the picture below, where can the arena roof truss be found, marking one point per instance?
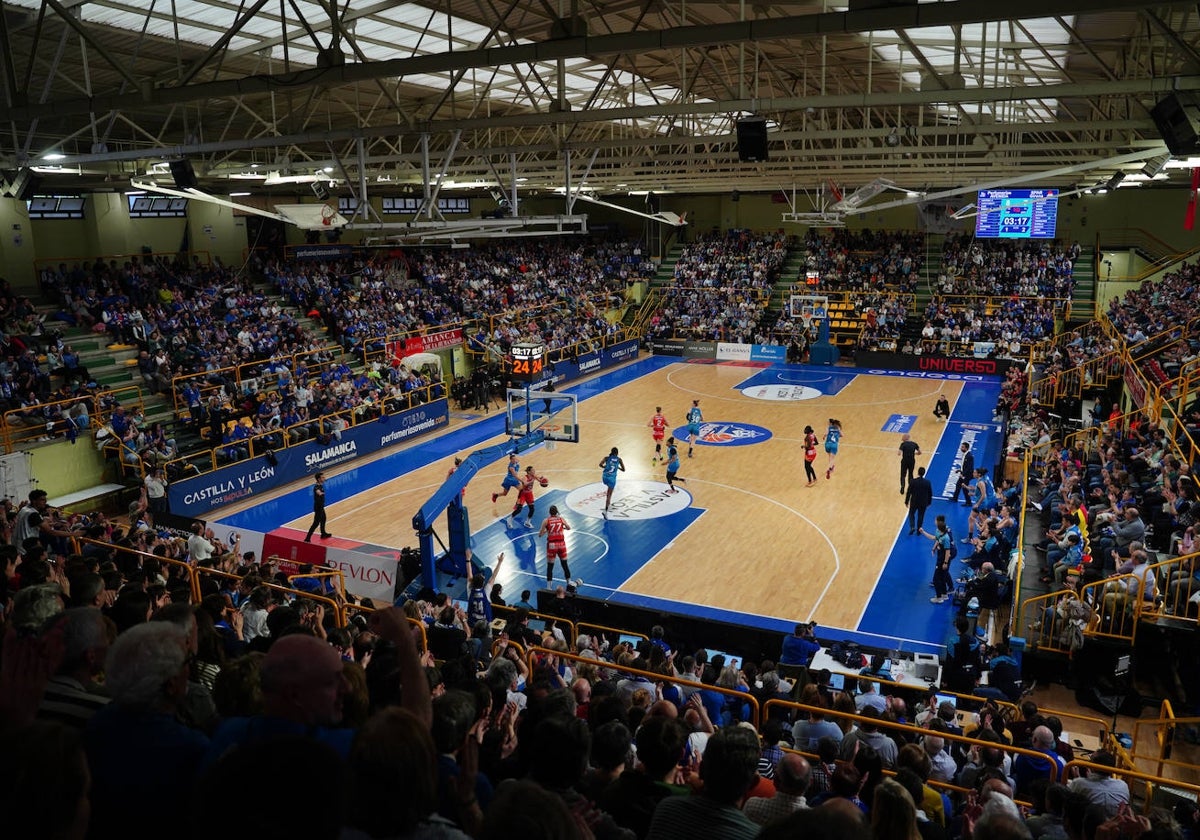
(438, 97)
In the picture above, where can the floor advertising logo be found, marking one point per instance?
(726, 434)
(781, 393)
(632, 499)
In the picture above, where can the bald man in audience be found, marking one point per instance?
(791, 781)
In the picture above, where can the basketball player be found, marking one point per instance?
(611, 463)
(512, 478)
(554, 529)
(694, 418)
(673, 466)
(833, 436)
(985, 493)
(525, 494)
(810, 455)
(658, 427)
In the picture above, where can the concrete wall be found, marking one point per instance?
(62, 468)
(107, 229)
(16, 245)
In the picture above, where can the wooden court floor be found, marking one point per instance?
(766, 544)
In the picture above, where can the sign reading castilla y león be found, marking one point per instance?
(244, 479)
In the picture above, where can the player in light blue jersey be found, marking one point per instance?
(512, 477)
(694, 419)
(833, 436)
(673, 466)
(611, 463)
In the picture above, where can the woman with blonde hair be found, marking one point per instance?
(893, 814)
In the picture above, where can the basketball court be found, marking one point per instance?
(745, 539)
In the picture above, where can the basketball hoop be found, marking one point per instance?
(327, 214)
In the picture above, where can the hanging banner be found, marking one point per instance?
(413, 344)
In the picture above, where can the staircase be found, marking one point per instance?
(638, 318)
(792, 271)
(930, 269)
(1083, 297)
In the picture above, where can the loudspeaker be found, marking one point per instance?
(1178, 120)
(320, 191)
(752, 139)
(184, 175)
(24, 184)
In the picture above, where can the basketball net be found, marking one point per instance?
(327, 214)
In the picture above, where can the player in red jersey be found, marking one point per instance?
(554, 529)
(810, 455)
(525, 494)
(658, 427)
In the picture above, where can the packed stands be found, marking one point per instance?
(244, 664)
(721, 287)
(989, 267)
(429, 720)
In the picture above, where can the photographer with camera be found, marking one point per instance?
(801, 647)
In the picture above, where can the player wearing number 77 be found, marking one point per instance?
(554, 529)
(525, 495)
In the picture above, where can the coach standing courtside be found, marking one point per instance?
(318, 509)
(966, 474)
(919, 497)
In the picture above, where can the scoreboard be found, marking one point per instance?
(1017, 214)
(526, 362)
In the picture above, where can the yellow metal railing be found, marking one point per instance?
(1127, 773)
(1116, 605)
(743, 697)
(206, 460)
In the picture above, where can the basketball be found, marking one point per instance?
(544, 481)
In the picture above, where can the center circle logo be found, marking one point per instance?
(719, 433)
(632, 499)
(781, 393)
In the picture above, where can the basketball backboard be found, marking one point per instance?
(808, 307)
(554, 413)
(313, 216)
